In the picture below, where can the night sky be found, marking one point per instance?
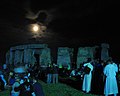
(71, 23)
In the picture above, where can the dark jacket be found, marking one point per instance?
(37, 87)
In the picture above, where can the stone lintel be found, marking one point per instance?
(29, 46)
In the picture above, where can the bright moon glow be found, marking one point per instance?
(35, 28)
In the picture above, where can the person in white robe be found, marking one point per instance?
(86, 87)
(110, 86)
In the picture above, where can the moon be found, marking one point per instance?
(36, 28)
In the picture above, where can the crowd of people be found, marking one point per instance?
(21, 84)
(98, 77)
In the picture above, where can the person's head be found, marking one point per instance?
(109, 61)
(102, 62)
(25, 80)
(35, 79)
(89, 59)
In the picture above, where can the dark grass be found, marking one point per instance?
(55, 90)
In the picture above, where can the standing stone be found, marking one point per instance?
(32, 59)
(45, 57)
(18, 58)
(104, 51)
(64, 57)
(11, 57)
(84, 53)
(21, 57)
(27, 56)
(7, 57)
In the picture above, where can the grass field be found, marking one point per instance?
(55, 90)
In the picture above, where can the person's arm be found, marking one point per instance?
(5, 83)
(104, 70)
